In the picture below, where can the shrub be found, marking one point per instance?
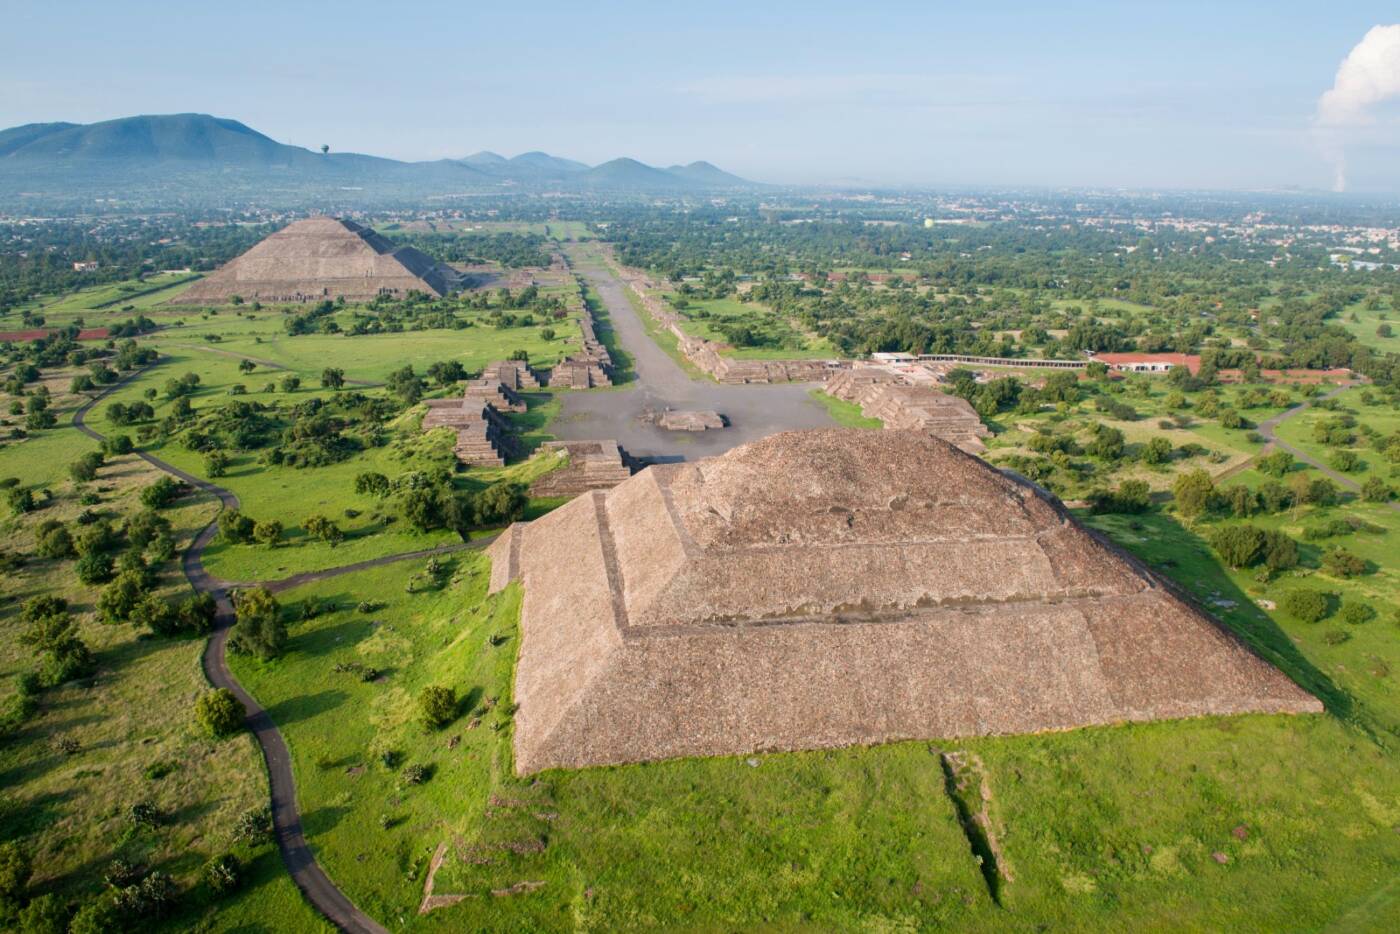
(47, 914)
(21, 500)
(15, 869)
(1357, 613)
(1376, 490)
(145, 527)
(1341, 563)
(437, 706)
(98, 916)
(253, 827)
(372, 484)
(119, 444)
(223, 874)
(55, 543)
(415, 774)
(152, 898)
(220, 713)
(1309, 606)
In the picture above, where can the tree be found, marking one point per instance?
(406, 384)
(1309, 606)
(220, 713)
(85, 468)
(1240, 499)
(1157, 450)
(1346, 461)
(372, 484)
(235, 528)
(145, 527)
(216, 463)
(1280, 551)
(94, 568)
(21, 500)
(332, 378)
(119, 599)
(324, 529)
(223, 874)
(197, 614)
(246, 366)
(501, 503)
(47, 914)
(119, 444)
(268, 532)
(160, 493)
(437, 706)
(1194, 493)
(1239, 546)
(291, 383)
(1277, 464)
(259, 630)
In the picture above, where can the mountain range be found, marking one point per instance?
(200, 151)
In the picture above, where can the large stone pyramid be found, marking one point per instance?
(841, 587)
(320, 258)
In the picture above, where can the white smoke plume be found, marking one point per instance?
(1368, 76)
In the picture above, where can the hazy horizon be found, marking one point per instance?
(1254, 96)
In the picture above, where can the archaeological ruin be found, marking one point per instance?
(322, 258)
(903, 406)
(837, 587)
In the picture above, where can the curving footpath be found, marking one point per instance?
(286, 818)
(1273, 441)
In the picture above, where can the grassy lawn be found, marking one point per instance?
(96, 747)
(846, 414)
(1099, 828)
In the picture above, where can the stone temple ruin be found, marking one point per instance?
(900, 405)
(589, 465)
(589, 367)
(322, 258)
(838, 587)
(478, 416)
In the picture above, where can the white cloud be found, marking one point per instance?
(1368, 76)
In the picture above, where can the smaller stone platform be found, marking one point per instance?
(685, 420)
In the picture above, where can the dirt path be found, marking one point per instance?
(286, 818)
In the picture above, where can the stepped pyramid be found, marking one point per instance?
(831, 588)
(320, 258)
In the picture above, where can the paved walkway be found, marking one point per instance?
(1266, 428)
(754, 411)
(286, 818)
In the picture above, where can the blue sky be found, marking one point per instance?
(1180, 94)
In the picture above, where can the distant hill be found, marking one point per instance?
(197, 155)
(629, 173)
(707, 175)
